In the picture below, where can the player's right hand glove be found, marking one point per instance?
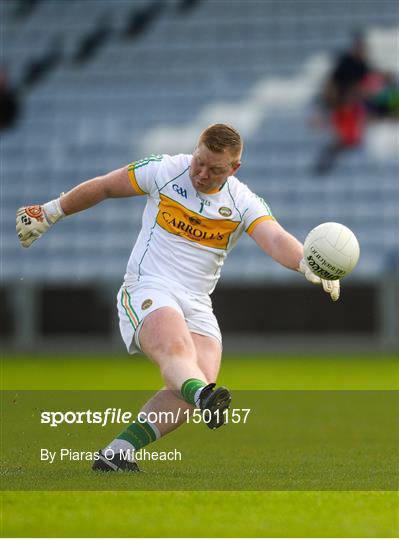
(330, 287)
(33, 221)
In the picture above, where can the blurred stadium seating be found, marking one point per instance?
(86, 118)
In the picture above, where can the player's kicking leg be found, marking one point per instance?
(187, 363)
(166, 339)
(215, 400)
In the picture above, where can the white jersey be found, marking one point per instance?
(186, 235)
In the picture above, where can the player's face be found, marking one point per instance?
(210, 170)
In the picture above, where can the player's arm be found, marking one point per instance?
(284, 248)
(278, 243)
(32, 221)
(112, 185)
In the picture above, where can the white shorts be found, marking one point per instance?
(137, 301)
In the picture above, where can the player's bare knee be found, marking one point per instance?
(178, 347)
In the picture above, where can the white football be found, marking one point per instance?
(331, 251)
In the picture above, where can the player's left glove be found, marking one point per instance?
(330, 287)
(33, 221)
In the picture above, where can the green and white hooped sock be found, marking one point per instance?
(191, 390)
(135, 436)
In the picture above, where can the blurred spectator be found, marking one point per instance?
(9, 103)
(354, 93)
(351, 68)
(343, 104)
(381, 96)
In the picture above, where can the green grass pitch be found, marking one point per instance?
(137, 512)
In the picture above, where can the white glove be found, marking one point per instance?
(33, 221)
(330, 287)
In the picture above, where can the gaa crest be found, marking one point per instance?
(224, 211)
(146, 304)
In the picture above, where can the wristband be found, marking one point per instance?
(53, 211)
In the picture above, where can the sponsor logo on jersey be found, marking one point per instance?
(224, 211)
(180, 190)
(146, 304)
(174, 218)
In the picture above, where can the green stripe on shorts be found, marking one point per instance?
(127, 306)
